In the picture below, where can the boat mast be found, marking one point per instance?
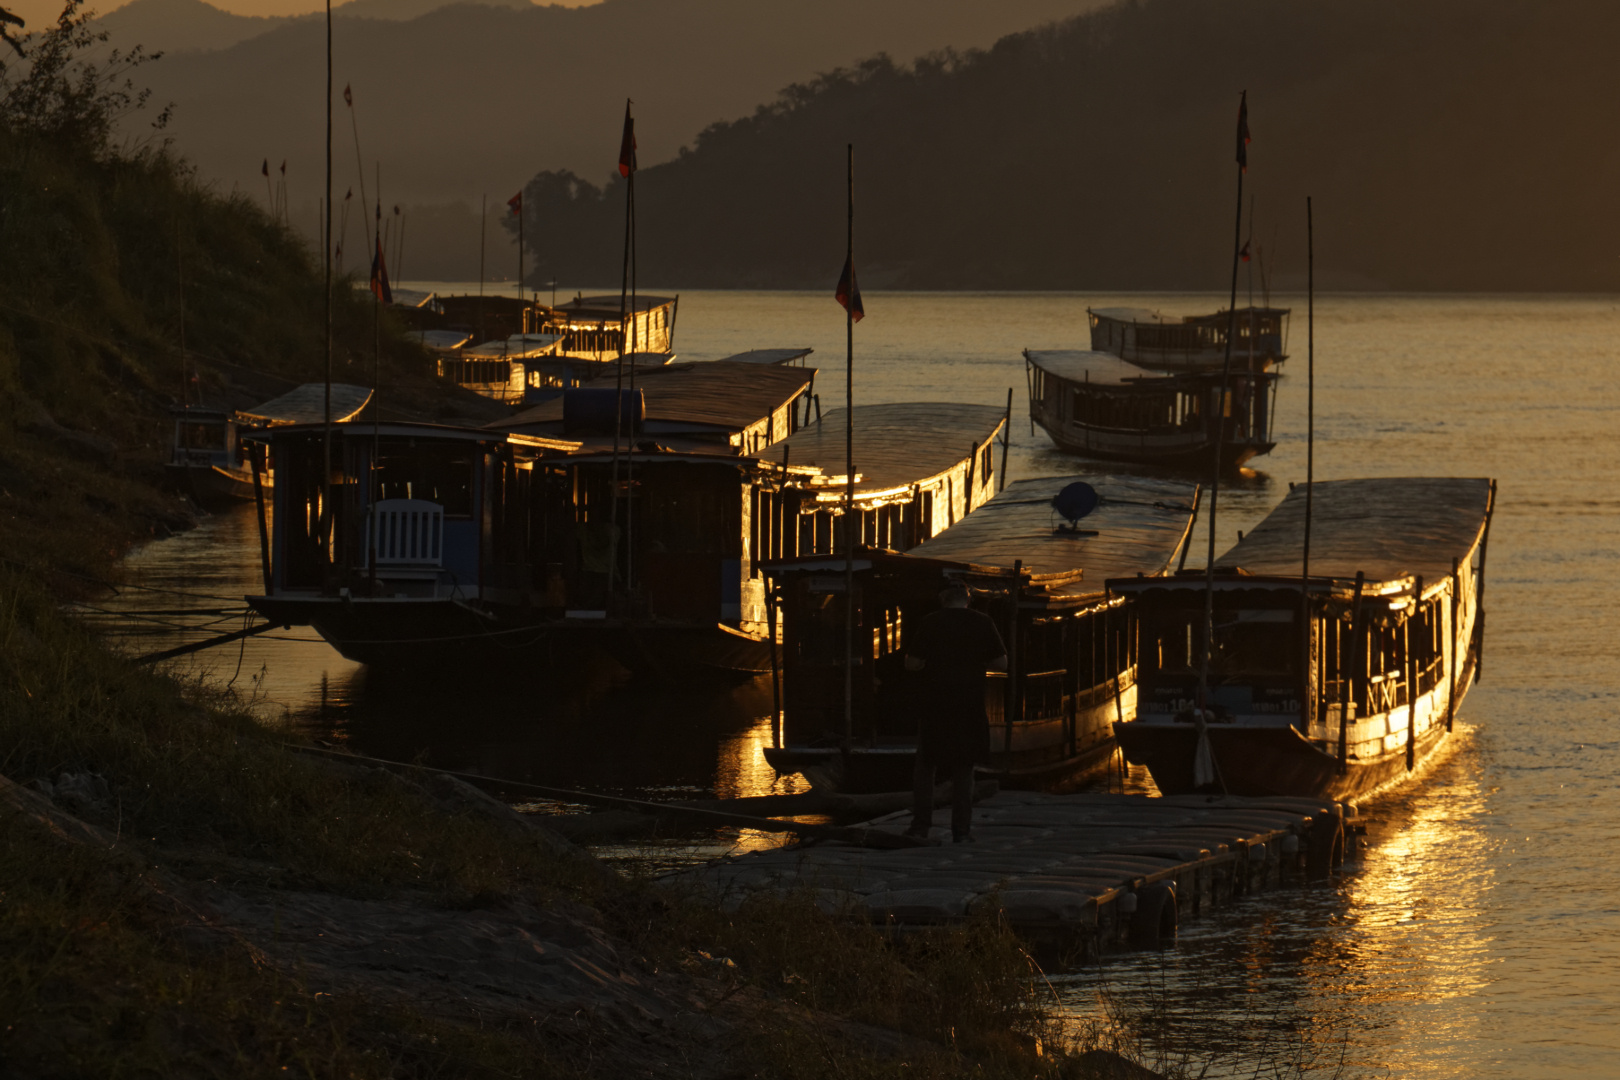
(627, 168)
(1310, 464)
(376, 391)
(1219, 419)
(849, 461)
(326, 516)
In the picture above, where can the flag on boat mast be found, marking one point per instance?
(1243, 132)
(379, 274)
(627, 144)
(1244, 255)
(848, 293)
(516, 204)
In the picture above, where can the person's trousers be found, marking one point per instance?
(922, 793)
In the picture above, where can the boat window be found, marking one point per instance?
(437, 471)
(195, 436)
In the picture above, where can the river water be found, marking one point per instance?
(1479, 933)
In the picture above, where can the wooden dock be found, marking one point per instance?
(1087, 871)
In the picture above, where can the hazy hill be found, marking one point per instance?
(466, 98)
(1448, 145)
(177, 25)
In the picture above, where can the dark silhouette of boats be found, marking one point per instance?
(1331, 686)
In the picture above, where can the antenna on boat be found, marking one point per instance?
(483, 233)
(1074, 502)
(1310, 451)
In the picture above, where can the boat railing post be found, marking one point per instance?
(1006, 439)
(776, 677)
(1011, 706)
(1451, 651)
(256, 456)
(1348, 651)
(1478, 643)
(1412, 674)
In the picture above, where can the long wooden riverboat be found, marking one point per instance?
(1071, 661)
(211, 459)
(505, 548)
(1331, 686)
(1191, 342)
(1100, 406)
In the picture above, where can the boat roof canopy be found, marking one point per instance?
(400, 429)
(516, 347)
(717, 394)
(441, 341)
(1084, 366)
(895, 445)
(591, 308)
(1139, 526)
(769, 356)
(306, 404)
(1129, 314)
(1390, 528)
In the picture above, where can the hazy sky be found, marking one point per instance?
(40, 12)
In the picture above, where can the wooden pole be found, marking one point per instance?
(1347, 669)
(1306, 690)
(776, 676)
(1412, 675)
(618, 384)
(849, 462)
(483, 234)
(256, 455)
(326, 265)
(1218, 422)
(376, 434)
(1010, 706)
(1479, 591)
(1451, 650)
(1006, 440)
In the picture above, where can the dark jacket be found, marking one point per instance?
(956, 646)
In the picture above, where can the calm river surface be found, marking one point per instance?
(1479, 934)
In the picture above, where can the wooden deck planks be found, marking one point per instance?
(1019, 523)
(1048, 862)
(1388, 527)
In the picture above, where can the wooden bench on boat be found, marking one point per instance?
(1358, 693)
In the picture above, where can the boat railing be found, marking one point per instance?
(1040, 695)
(410, 533)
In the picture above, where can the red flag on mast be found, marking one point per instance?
(1244, 254)
(379, 276)
(848, 294)
(1243, 132)
(627, 144)
(516, 204)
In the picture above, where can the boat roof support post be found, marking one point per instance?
(1348, 655)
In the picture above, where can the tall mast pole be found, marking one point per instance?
(1219, 418)
(627, 170)
(1310, 456)
(327, 516)
(849, 464)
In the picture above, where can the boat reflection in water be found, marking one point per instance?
(1348, 979)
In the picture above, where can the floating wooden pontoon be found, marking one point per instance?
(211, 462)
(1191, 342)
(1365, 690)
(1071, 663)
(1099, 406)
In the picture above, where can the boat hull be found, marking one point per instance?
(1254, 761)
(213, 484)
(865, 770)
(1179, 454)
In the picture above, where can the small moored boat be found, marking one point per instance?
(1100, 406)
(1331, 686)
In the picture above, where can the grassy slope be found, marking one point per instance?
(96, 977)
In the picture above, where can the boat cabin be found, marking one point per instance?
(1332, 684)
(1071, 665)
(1100, 406)
(602, 327)
(1191, 342)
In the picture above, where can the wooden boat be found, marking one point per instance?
(1191, 342)
(703, 526)
(1100, 406)
(594, 328)
(210, 460)
(520, 552)
(1071, 663)
(1358, 697)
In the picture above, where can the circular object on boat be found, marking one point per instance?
(1075, 501)
(1153, 926)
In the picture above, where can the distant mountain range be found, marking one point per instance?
(1448, 144)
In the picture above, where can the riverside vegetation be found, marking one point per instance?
(180, 895)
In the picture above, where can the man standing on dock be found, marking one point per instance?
(953, 648)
